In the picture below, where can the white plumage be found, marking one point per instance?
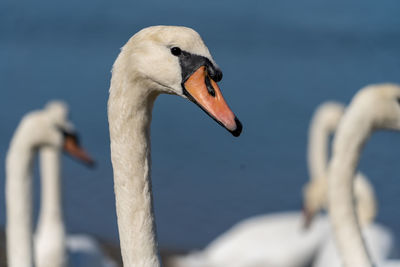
(159, 59)
(276, 240)
(46, 131)
(279, 239)
(374, 107)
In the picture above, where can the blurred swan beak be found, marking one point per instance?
(202, 90)
(72, 147)
(308, 218)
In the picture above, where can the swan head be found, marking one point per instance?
(314, 199)
(328, 115)
(51, 127)
(175, 60)
(379, 103)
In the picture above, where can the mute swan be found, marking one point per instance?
(158, 59)
(45, 129)
(278, 239)
(323, 124)
(374, 107)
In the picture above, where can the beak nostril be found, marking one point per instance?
(214, 73)
(209, 86)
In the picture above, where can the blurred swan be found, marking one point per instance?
(374, 107)
(159, 59)
(323, 125)
(278, 239)
(48, 131)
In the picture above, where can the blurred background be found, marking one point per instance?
(280, 59)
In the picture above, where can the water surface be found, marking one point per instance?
(280, 60)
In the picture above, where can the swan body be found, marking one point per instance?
(389, 263)
(158, 59)
(84, 251)
(374, 107)
(379, 241)
(276, 240)
(50, 130)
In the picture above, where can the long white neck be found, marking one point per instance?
(19, 165)
(50, 249)
(323, 125)
(350, 138)
(129, 114)
(366, 199)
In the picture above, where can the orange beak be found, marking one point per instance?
(204, 91)
(71, 146)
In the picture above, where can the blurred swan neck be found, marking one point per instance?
(353, 132)
(50, 248)
(318, 148)
(51, 210)
(324, 123)
(19, 168)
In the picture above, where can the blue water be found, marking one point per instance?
(280, 60)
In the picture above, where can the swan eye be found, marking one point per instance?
(176, 51)
(398, 100)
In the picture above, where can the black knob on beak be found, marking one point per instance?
(218, 76)
(214, 73)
